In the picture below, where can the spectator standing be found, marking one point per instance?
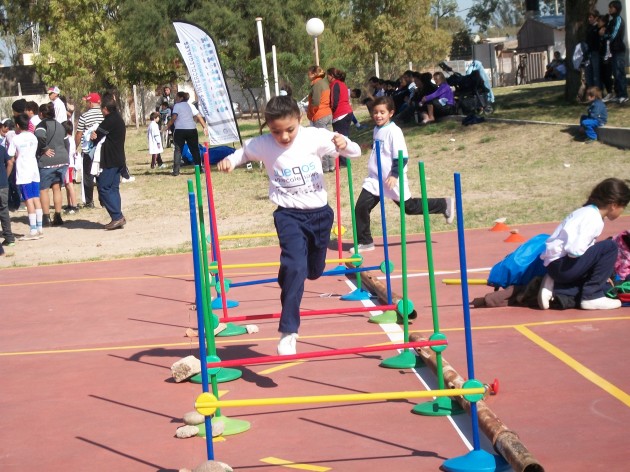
(340, 104)
(6, 167)
(319, 112)
(593, 41)
(53, 160)
(112, 132)
(61, 113)
(32, 111)
(185, 117)
(615, 34)
(88, 121)
(154, 138)
(74, 164)
(24, 149)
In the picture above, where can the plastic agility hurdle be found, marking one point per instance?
(320, 354)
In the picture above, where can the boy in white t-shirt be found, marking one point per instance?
(24, 147)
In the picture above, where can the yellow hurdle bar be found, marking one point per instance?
(277, 263)
(470, 281)
(245, 236)
(207, 403)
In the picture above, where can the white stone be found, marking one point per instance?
(251, 329)
(187, 431)
(193, 418)
(185, 368)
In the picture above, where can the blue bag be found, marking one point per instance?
(520, 266)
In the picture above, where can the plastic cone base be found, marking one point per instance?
(358, 294)
(442, 406)
(232, 426)
(232, 330)
(500, 227)
(224, 375)
(475, 461)
(404, 360)
(515, 238)
(217, 303)
(389, 316)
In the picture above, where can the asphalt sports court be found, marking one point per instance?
(87, 349)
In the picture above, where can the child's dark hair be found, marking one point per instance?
(282, 106)
(32, 106)
(21, 121)
(67, 125)
(153, 115)
(611, 190)
(594, 91)
(385, 100)
(356, 93)
(617, 5)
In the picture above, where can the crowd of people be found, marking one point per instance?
(606, 53)
(41, 153)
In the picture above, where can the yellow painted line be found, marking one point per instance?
(92, 349)
(281, 367)
(293, 465)
(98, 279)
(581, 369)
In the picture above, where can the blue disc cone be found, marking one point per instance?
(475, 461)
(358, 294)
(217, 303)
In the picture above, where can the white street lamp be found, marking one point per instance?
(314, 28)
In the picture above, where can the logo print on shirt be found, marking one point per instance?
(293, 176)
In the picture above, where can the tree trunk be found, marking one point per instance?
(576, 22)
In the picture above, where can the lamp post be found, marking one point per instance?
(315, 27)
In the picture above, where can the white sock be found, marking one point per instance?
(39, 216)
(32, 220)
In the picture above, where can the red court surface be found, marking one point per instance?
(86, 352)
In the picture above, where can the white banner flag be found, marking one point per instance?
(201, 58)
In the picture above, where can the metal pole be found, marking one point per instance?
(316, 51)
(376, 71)
(275, 69)
(263, 59)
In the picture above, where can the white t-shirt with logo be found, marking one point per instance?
(24, 148)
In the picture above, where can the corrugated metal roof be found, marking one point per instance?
(554, 21)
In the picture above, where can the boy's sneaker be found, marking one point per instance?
(608, 98)
(589, 141)
(367, 247)
(602, 303)
(287, 344)
(545, 294)
(130, 179)
(89, 205)
(7, 243)
(449, 213)
(622, 100)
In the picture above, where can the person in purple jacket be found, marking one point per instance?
(439, 103)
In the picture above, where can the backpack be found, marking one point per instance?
(520, 266)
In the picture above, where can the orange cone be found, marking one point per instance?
(500, 227)
(514, 237)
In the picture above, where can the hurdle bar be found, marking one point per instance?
(330, 311)
(318, 354)
(247, 265)
(206, 403)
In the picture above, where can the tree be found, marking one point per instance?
(498, 14)
(575, 31)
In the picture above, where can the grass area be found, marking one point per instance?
(527, 173)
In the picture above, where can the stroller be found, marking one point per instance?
(471, 93)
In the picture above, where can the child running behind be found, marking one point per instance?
(577, 266)
(293, 157)
(596, 114)
(24, 148)
(154, 137)
(389, 137)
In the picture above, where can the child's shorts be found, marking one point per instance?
(29, 191)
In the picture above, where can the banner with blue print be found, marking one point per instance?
(214, 102)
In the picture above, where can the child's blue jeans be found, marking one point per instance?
(589, 125)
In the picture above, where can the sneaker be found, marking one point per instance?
(163, 166)
(365, 247)
(287, 344)
(89, 205)
(602, 303)
(130, 179)
(57, 221)
(449, 213)
(545, 294)
(589, 141)
(608, 98)
(7, 243)
(622, 100)
(71, 210)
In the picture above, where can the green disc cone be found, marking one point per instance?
(442, 406)
(389, 316)
(404, 360)
(223, 375)
(232, 330)
(232, 426)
